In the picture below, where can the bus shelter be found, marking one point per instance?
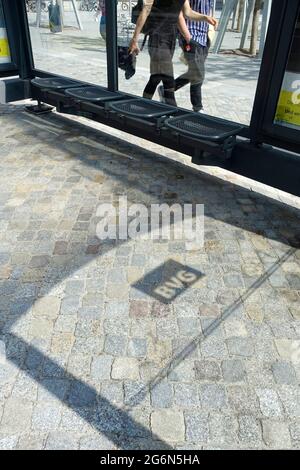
(265, 149)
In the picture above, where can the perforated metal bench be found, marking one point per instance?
(142, 108)
(93, 93)
(54, 83)
(203, 127)
(214, 136)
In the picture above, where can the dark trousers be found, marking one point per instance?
(161, 49)
(195, 74)
(168, 84)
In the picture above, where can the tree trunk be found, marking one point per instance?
(255, 24)
(240, 15)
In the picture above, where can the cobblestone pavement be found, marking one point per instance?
(90, 359)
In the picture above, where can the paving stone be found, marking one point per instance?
(197, 427)
(240, 347)
(33, 441)
(189, 326)
(80, 418)
(16, 416)
(295, 433)
(24, 387)
(117, 309)
(96, 442)
(70, 305)
(135, 393)
(45, 417)
(168, 425)
(166, 328)
(8, 442)
(235, 328)
(53, 389)
(269, 403)
(162, 395)
(290, 397)
(288, 349)
(212, 396)
(223, 429)
(125, 368)
(113, 326)
(139, 308)
(74, 287)
(186, 395)
(242, 400)
(81, 395)
(183, 372)
(115, 345)
(113, 392)
(249, 429)
(101, 368)
(233, 370)
(137, 347)
(39, 261)
(208, 371)
(62, 441)
(284, 373)
(276, 434)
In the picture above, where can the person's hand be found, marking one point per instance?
(188, 37)
(212, 21)
(134, 47)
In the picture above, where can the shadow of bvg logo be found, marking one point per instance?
(168, 281)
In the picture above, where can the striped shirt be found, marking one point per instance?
(199, 29)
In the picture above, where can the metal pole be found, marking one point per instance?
(214, 8)
(77, 15)
(61, 7)
(234, 15)
(112, 44)
(249, 13)
(264, 26)
(38, 13)
(225, 17)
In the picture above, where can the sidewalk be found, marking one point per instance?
(90, 358)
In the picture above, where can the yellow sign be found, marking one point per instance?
(4, 48)
(288, 109)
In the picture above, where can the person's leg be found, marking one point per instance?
(167, 49)
(151, 86)
(155, 75)
(103, 27)
(184, 78)
(198, 77)
(169, 90)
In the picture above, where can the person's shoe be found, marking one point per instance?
(199, 110)
(161, 93)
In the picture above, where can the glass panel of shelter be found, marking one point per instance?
(231, 72)
(66, 39)
(73, 44)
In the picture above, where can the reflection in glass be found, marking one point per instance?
(68, 38)
(231, 75)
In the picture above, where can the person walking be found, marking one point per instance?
(101, 10)
(195, 53)
(160, 20)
